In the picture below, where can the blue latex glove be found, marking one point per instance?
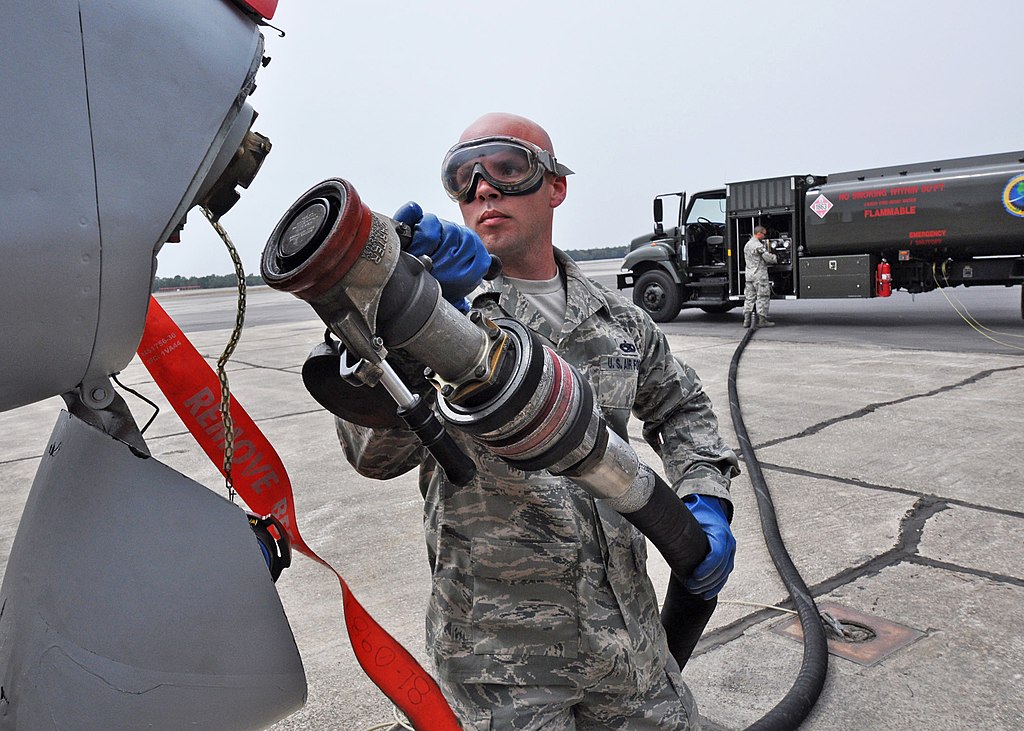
(460, 259)
(711, 574)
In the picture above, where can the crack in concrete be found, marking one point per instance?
(956, 568)
(855, 482)
(911, 527)
(871, 408)
(236, 361)
(261, 420)
(185, 432)
(904, 551)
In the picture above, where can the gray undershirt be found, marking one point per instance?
(547, 295)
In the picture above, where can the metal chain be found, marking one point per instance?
(236, 335)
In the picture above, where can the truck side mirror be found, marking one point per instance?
(659, 213)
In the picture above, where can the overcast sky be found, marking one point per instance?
(640, 97)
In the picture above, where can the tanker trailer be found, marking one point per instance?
(934, 224)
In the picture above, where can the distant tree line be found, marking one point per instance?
(608, 252)
(215, 281)
(210, 281)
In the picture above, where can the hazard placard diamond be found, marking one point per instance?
(821, 205)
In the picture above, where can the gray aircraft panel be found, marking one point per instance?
(135, 597)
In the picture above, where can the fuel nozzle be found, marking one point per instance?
(497, 383)
(347, 262)
(332, 251)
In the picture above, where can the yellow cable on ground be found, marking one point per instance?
(967, 317)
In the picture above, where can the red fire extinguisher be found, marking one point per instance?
(883, 279)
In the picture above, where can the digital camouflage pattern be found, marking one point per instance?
(667, 706)
(536, 583)
(758, 291)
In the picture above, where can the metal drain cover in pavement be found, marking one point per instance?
(883, 639)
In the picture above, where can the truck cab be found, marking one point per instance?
(685, 265)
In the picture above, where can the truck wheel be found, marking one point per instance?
(658, 295)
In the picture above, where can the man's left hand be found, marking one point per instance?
(711, 574)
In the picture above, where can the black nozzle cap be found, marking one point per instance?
(304, 233)
(494, 269)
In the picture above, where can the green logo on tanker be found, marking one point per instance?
(1013, 196)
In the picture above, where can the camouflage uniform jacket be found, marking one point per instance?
(534, 581)
(758, 256)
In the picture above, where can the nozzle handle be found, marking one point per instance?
(413, 410)
(494, 269)
(457, 466)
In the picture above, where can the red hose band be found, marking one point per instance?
(191, 386)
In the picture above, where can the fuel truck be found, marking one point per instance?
(862, 233)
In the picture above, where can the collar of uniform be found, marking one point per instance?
(582, 296)
(582, 299)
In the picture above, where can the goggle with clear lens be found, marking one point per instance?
(508, 164)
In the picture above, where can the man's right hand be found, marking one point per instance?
(459, 257)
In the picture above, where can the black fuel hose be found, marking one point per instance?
(671, 527)
(791, 711)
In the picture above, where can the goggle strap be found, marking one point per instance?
(551, 164)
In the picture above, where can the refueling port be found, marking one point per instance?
(846, 630)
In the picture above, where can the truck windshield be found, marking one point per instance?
(712, 209)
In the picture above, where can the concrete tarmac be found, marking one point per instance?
(896, 477)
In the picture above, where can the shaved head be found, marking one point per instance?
(502, 123)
